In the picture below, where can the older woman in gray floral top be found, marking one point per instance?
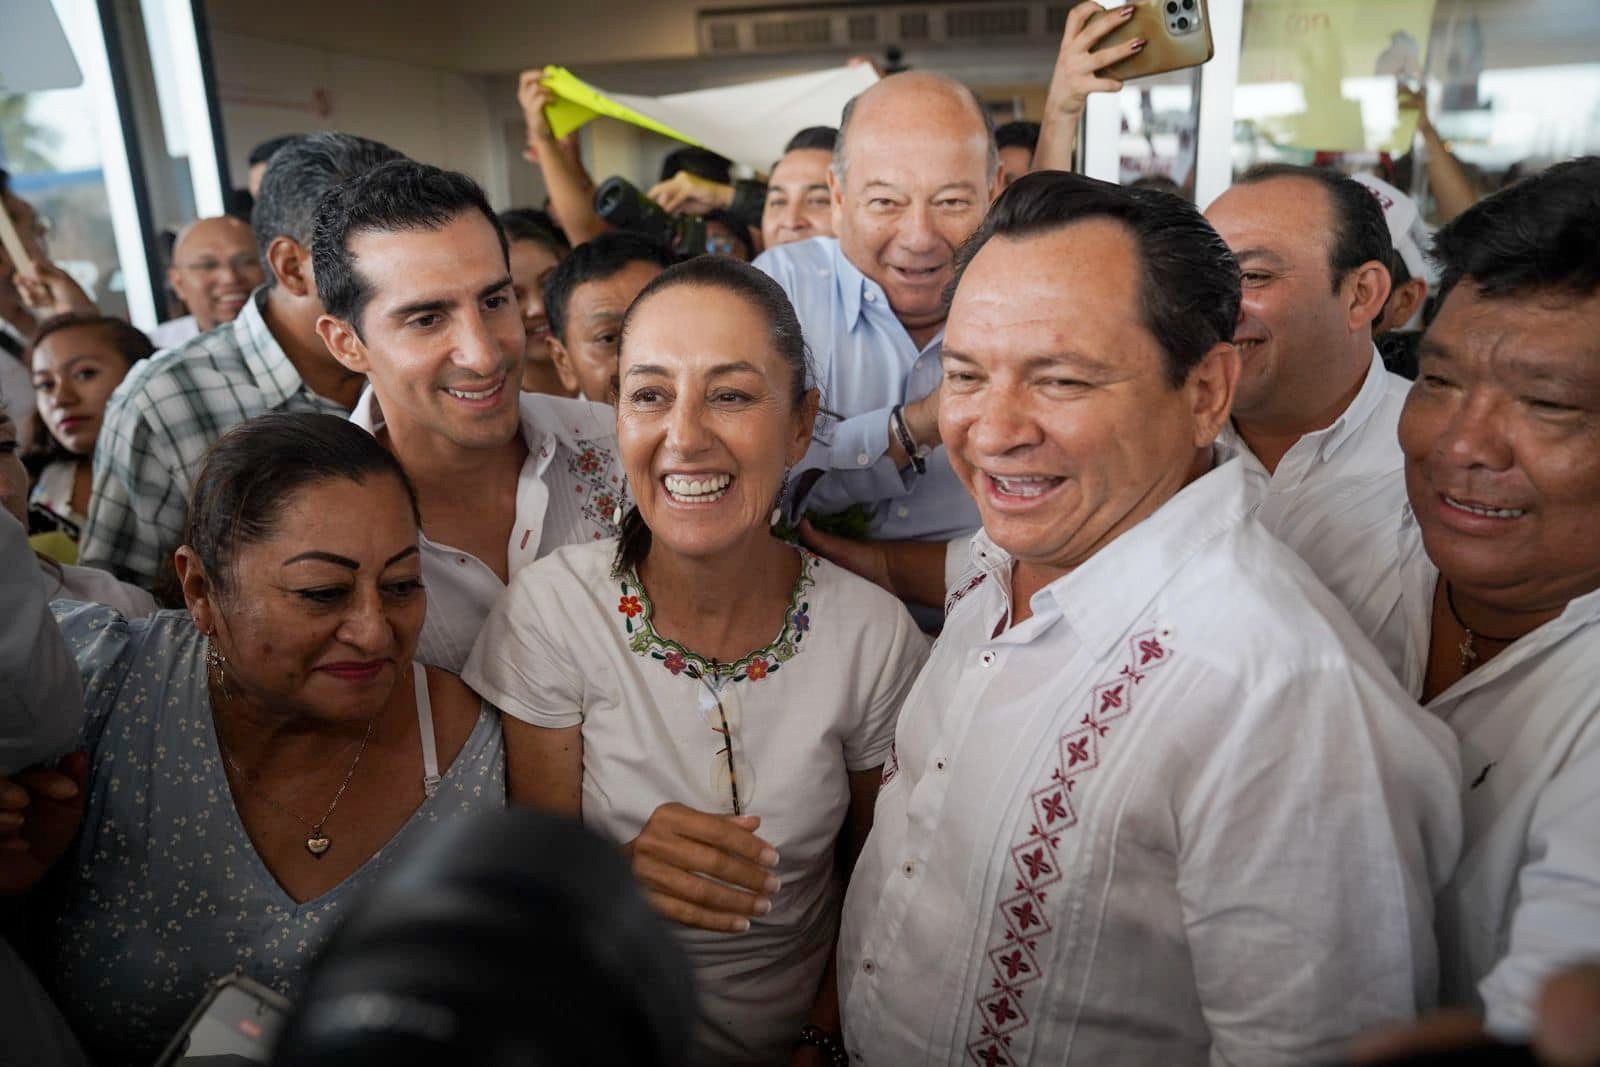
(257, 758)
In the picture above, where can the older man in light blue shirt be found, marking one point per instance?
(914, 170)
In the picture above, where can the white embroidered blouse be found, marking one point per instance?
(572, 644)
(1182, 814)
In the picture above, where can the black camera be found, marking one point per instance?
(620, 203)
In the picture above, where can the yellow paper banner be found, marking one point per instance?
(577, 102)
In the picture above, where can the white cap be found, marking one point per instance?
(1406, 229)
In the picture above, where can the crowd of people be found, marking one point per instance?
(1014, 619)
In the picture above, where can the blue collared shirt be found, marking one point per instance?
(865, 362)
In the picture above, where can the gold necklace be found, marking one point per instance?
(1468, 649)
(317, 842)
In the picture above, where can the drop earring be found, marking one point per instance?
(616, 508)
(777, 508)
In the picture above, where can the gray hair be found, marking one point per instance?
(296, 179)
(841, 161)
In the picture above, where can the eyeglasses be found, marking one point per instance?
(732, 778)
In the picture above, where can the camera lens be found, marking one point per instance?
(1172, 8)
(1183, 24)
(1188, 5)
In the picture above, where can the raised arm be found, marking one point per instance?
(1453, 191)
(1075, 77)
(571, 190)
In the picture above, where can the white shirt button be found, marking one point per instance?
(863, 460)
(868, 967)
(986, 658)
(872, 297)
(902, 511)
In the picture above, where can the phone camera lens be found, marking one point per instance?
(1188, 5)
(1183, 23)
(1172, 7)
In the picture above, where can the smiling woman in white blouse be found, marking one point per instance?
(717, 700)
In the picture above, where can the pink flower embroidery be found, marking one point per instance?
(674, 662)
(630, 606)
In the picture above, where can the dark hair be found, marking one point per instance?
(700, 162)
(263, 152)
(594, 261)
(1540, 235)
(1189, 281)
(1158, 183)
(531, 224)
(251, 472)
(1018, 134)
(757, 289)
(305, 169)
(823, 137)
(737, 228)
(393, 197)
(129, 342)
(1360, 234)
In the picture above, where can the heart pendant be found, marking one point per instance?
(317, 845)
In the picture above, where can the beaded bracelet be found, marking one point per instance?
(832, 1048)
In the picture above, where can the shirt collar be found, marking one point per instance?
(1106, 595)
(1357, 413)
(854, 287)
(541, 443)
(269, 365)
(1331, 438)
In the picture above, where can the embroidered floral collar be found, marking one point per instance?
(636, 611)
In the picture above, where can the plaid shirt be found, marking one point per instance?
(158, 426)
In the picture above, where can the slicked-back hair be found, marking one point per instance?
(253, 470)
(594, 261)
(754, 287)
(991, 166)
(1540, 235)
(264, 151)
(821, 137)
(300, 174)
(393, 197)
(1360, 234)
(1188, 280)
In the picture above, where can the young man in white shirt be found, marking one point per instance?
(1153, 799)
(413, 271)
(1315, 405)
(1484, 594)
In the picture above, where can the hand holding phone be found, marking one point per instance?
(1177, 34)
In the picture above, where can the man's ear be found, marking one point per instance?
(1210, 388)
(1403, 304)
(1365, 289)
(199, 592)
(344, 343)
(175, 283)
(836, 200)
(564, 368)
(998, 185)
(291, 266)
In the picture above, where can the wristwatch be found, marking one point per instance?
(918, 453)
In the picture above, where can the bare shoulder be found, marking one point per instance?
(455, 712)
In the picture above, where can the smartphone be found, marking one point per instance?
(1177, 32)
(236, 1023)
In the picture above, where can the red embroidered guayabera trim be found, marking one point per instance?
(1014, 955)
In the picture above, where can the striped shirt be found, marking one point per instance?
(158, 426)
